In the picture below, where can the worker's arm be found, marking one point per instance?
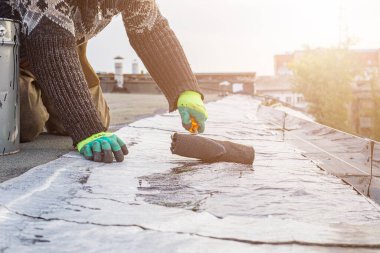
(6, 11)
(51, 51)
(158, 47)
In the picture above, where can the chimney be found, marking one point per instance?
(135, 67)
(119, 71)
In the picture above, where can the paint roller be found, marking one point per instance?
(209, 150)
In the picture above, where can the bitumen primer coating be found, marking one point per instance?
(159, 202)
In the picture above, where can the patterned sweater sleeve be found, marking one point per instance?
(159, 49)
(6, 11)
(51, 51)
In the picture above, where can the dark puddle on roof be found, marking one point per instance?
(174, 189)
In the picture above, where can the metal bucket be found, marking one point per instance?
(9, 86)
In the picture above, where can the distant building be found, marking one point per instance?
(281, 64)
(280, 88)
(240, 82)
(107, 81)
(370, 59)
(364, 91)
(140, 83)
(363, 107)
(209, 83)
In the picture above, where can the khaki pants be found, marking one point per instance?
(38, 113)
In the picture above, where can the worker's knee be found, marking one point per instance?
(31, 128)
(105, 117)
(101, 105)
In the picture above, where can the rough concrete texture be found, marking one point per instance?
(157, 202)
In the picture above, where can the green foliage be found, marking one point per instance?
(325, 77)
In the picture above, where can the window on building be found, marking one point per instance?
(366, 122)
(288, 100)
(366, 104)
(300, 99)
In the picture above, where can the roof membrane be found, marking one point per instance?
(158, 202)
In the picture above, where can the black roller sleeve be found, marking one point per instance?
(210, 150)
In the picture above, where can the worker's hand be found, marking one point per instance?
(193, 111)
(99, 148)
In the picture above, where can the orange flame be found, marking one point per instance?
(194, 126)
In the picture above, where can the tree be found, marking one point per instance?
(325, 78)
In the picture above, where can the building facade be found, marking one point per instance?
(366, 91)
(280, 87)
(221, 83)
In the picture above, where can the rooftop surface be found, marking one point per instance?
(158, 202)
(124, 108)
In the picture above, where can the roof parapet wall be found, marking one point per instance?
(353, 159)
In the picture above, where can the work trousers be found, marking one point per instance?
(37, 113)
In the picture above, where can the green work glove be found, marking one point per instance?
(99, 148)
(192, 111)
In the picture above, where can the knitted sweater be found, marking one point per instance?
(53, 29)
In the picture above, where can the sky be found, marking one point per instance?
(244, 35)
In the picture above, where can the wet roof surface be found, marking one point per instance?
(157, 202)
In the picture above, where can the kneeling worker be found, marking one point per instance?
(59, 89)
